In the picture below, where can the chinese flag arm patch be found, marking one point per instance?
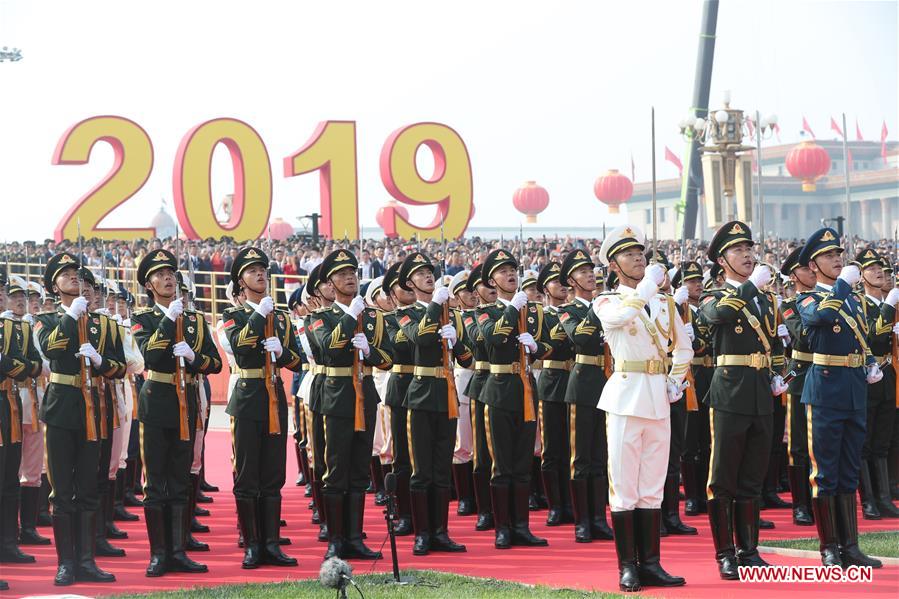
(564, 316)
(810, 299)
(468, 321)
(405, 320)
(710, 298)
(316, 324)
(788, 313)
(229, 323)
(38, 325)
(137, 327)
(483, 317)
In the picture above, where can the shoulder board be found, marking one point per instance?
(609, 293)
(140, 311)
(336, 310)
(233, 309)
(46, 312)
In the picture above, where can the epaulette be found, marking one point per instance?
(46, 312)
(140, 311)
(232, 309)
(610, 293)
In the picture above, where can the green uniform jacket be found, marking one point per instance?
(154, 334)
(790, 315)
(741, 389)
(398, 383)
(427, 392)
(553, 383)
(246, 333)
(315, 388)
(334, 330)
(479, 350)
(57, 332)
(582, 326)
(21, 363)
(499, 326)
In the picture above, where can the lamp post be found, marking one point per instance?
(726, 166)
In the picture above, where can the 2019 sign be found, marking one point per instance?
(331, 151)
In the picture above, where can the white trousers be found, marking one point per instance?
(464, 449)
(638, 461)
(118, 434)
(32, 456)
(200, 438)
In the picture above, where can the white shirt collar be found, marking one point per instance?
(582, 300)
(877, 301)
(341, 306)
(504, 301)
(422, 303)
(250, 304)
(732, 282)
(625, 290)
(825, 286)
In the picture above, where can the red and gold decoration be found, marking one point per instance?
(808, 161)
(613, 189)
(530, 199)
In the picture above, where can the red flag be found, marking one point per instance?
(750, 127)
(807, 129)
(883, 142)
(835, 127)
(858, 132)
(673, 159)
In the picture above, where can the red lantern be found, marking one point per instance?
(279, 229)
(808, 161)
(530, 199)
(613, 189)
(385, 217)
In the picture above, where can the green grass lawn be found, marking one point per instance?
(883, 544)
(431, 585)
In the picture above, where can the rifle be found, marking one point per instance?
(524, 359)
(34, 404)
(895, 355)
(690, 391)
(451, 393)
(358, 379)
(180, 366)
(86, 381)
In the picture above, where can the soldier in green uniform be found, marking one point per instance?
(4, 419)
(432, 411)
(349, 418)
(881, 405)
(587, 423)
(741, 396)
(697, 439)
(263, 341)
(803, 280)
(167, 408)
(483, 463)
(551, 388)
(510, 421)
(71, 414)
(395, 397)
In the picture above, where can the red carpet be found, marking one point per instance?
(563, 564)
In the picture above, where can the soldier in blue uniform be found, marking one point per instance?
(835, 396)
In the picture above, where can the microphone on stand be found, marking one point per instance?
(337, 574)
(391, 515)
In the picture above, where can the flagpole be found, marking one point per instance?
(846, 179)
(655, 233)
(758, 143)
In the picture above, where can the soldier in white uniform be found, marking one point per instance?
(640, 326)
(128, 388)
(463, 452)
(382, 441)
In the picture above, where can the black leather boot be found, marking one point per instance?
(770, 498)
(421, 522)
(866, 491)
(403, 524)
(482, 498)
(205, 485)
(43, 512)
(893, 467)
(537, 498)
(332, 505)
(689, 473)
(462, 474)
(190, 543)
(118, 508)
(86, 569)
(581, 511)
(440, 539)
(377, 479)
(881, 475)
(499, 495)
(318, 514)
(9, 533)
(802, 513)
(28, 534)
(671, 509)
(826, 522)
(271, 521)
(108, 510)
(597, 498)
(301, 470)
(847, 531)
(626, 549)
(721, 525)
(248, 521)
(647, 525)
(354, 512)
(64, 539)
(102, 547)
(553, 497)
(180, 524)
(521, 531)
(154, 516)
(128, 497)
(746, 532)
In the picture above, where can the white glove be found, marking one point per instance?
(273, 344)
(690, 332)
(892, 297)
(45, 368)
(675, 391)
(896, 329)
(78, 308)
(519, 300)
(761, 276)
(441, 294)
(183, 350)
(29, 318)
(874, 374)
(7, 314)
(448, 332)
(778, 386)
(88, 351)
(681, 295)
(103, 311)
(527, 340)
(851, 274)
(175, 309)
(649, 286)
(356, 307)
(655, 273)
(265, 307)
(784, 333)
(361, 342)
(117, 318)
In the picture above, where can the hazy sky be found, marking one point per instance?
(552, 91)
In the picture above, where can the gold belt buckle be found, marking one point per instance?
(655, 367)
(856, 360)
(757, 361)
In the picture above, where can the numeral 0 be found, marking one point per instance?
(331, 150)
